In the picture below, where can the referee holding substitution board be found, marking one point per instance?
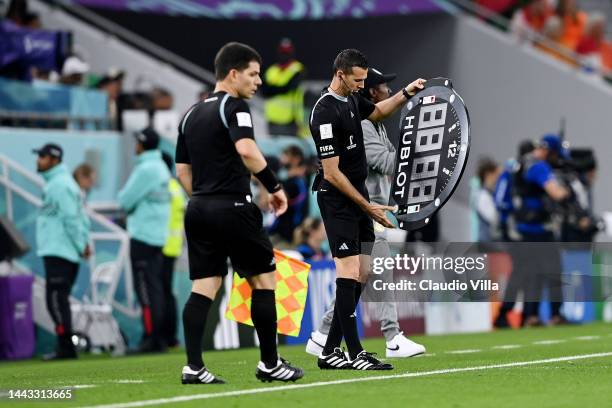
(335, 124)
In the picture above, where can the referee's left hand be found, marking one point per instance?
(378, 214)
(415, 86)
(278, 202)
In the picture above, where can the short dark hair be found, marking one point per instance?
(294, 151)
(347, 59)
(526, 146)
(486, 165)
(83, 170)
(234, 55)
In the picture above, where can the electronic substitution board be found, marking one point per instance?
(432, 153)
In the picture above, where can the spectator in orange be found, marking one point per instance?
(591, 45)
(606, 58)
(532, 17)
(574, 23)
(553, 32)
(594, 35)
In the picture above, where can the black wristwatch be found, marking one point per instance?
(405, 93)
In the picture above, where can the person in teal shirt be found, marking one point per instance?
(62, 229)
(146, 200)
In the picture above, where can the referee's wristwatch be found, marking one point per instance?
(406, 94)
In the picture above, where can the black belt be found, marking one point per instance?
(223, 197)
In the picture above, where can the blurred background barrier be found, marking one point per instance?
(52, 106)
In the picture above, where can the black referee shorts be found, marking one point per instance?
(222, 227)
(350, 231)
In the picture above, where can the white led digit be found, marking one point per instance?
(434, 115)
(425, 167)
(429, 139)
(421, 191)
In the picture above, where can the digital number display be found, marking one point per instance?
(433, 147)
(427, 127)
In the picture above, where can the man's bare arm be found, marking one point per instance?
(251, 156)
(254, 160)
(386, 108)
(183, 173)
(556, 191)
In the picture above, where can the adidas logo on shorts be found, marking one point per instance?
(344, 247)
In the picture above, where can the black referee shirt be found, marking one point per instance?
(335, 124)
(207, 134)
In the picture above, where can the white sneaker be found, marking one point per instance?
(400, 346)
(316, 342)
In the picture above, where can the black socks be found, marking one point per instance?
(263, 314)
(358, 289)
(194, 321)
(344, 322)
(334, 337)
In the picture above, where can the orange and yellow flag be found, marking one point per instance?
(291, 292)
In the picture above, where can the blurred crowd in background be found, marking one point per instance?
(558, 28)
(61, 65)
(570, 32)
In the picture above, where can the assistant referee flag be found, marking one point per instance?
(291, 292)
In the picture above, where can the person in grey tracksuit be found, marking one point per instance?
(380, 155)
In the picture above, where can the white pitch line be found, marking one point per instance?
(507, 346)
(345, 381)
(468, 351)
(547, 342)
(129, 381)
(587, 338)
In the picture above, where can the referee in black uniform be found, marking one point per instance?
(335, 124)
(215, 156)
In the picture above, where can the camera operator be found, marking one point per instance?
(536, 190)
(504, 192)
(579, 224)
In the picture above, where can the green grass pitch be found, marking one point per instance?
(466, 370)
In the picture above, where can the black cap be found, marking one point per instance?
(148, 137)
(375, 77)
(50, 149)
